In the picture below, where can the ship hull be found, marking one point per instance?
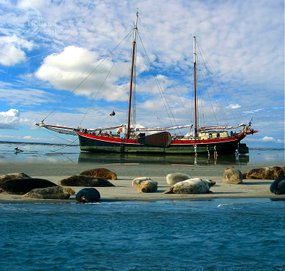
(93, 143)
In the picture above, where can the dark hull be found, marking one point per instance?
(93, 143)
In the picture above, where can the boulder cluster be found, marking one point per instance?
(180, 183)
(37, 188)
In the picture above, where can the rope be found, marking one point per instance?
(89, 74)
(160, 91)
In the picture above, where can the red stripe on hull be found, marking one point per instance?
(103, 143)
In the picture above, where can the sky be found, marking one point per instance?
(67, 62)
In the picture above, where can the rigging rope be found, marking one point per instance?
(165, 103)
(106, 77)
(210, 72)
(63, 138)
(89, 74)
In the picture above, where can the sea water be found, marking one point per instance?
(52, 153)
(220, 234)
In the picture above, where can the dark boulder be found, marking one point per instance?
(86, 181)
(13, 176)
(86, 195)
(278, 186)
(24, 185)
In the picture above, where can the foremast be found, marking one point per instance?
(195, 87)
(132, 76)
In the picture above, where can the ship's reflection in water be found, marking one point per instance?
(87, 157)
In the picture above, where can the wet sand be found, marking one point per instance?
(123, 189)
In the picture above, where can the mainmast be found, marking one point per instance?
(195, 87)
(132, 75)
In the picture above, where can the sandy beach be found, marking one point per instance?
(123, 189)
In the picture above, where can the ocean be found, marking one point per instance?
(214, 235)
(49, 153)
(221, 234)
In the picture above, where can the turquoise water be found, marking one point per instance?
(216, 235)
(224, 234)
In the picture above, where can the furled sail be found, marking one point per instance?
(59, 129)
(216, 128)
(164, 128)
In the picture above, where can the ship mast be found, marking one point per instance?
(195, 87)
(132, 75)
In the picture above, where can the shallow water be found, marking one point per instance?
(223, 234)
(48, 153)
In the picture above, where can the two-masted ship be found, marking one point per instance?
(129, 139)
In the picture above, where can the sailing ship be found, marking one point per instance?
(131, 139)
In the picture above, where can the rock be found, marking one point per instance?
(265, 173)
(232, 176)
(13, 176)
(100, 173)
(55, 192)
(191, 186)
(21, 186)
(278, 186)
(145, 184)
(88, 195)
(87, 181)
(177, 177)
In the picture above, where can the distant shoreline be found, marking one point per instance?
(37, 143)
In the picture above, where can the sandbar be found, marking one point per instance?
(123, 190)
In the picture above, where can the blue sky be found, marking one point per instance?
(48, 47)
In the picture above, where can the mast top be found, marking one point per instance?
(136, 26)
(194, 50)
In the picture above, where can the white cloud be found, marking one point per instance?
(9, 119)
(27, 4)
(268, 139)
(272, 139)
(12, 50)
(241, 41)
(233, 106)
(78, 69)
(254, 111)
